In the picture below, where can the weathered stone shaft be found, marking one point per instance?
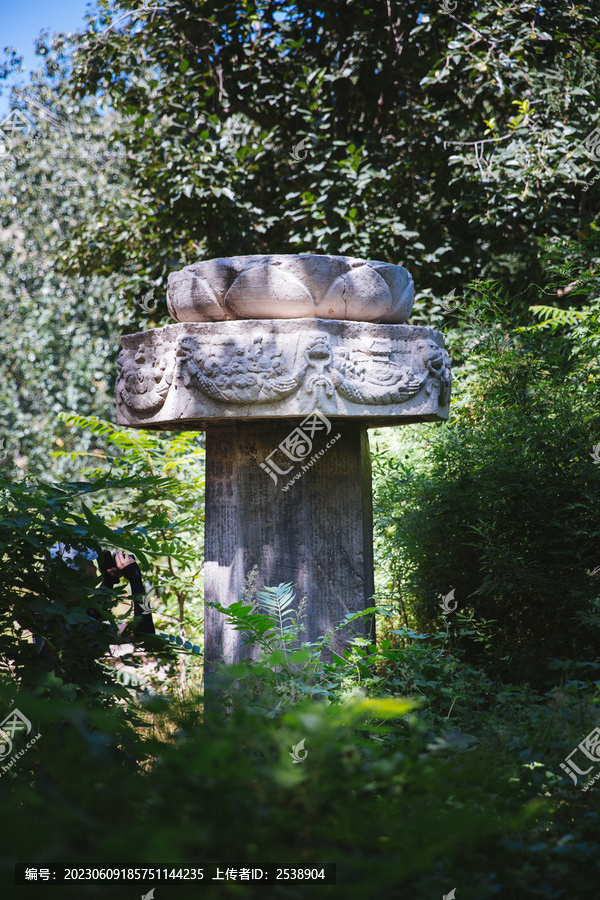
(317, 534)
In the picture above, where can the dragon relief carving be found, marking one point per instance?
(144, 377)
(232, 372)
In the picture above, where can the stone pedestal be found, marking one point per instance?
(315, 531)
(285, 361)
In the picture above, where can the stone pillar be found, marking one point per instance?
(274, 356)
(317, 534)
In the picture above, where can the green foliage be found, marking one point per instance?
(405, 797)
(277, 602)
(410, 795)
(167, 508)
(503, 508)
(43, 598)
(343, 128)
(60, 334)
(552, 316)
(231, 784)
(179, 642)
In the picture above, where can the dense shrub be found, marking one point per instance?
(405, 803)
(503, 504)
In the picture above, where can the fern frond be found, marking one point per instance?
(276, 601)
(554, 316)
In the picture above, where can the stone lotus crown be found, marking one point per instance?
(291, 287)
(276, 336)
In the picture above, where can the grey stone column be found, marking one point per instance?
(317, 534)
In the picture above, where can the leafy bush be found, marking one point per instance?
(45, 599)
(166, 507)
(504, 507)
(400, 801)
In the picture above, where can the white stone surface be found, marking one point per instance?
(291, 287)
(188, 375)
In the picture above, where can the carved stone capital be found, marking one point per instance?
(193, 374)
(291, 287)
